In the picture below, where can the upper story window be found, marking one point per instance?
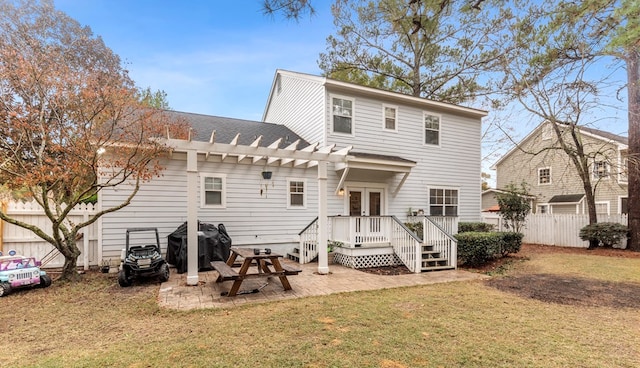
(213, 190)
(544, 176)
(297, 196)
(431, 129)
(342, 115)
(390, 117)
(443, 202)
(600, 169)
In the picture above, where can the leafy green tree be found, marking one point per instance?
(421, 48)
(157, 99)
(515, 206)
(290, 9)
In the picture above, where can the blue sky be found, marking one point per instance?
(211, 57)
(218, 57)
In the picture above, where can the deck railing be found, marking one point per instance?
(309, 242)
(376, 231)
(406, 245)
(442, 241)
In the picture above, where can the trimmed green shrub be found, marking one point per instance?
(464, 227)
(511, 242)
(607, 234)
(477, 248)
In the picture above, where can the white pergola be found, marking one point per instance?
(307, 157)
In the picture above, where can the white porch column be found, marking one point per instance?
(323, 259)
(192, 217)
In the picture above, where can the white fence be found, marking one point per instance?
(561, 229)
(26, 243)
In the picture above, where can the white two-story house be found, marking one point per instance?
(347, 164)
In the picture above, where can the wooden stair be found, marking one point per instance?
(432, 260)
(294, 255)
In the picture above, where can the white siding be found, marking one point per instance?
(298, 106)
(249, 217)
(454, 164)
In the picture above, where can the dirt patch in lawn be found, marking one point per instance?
(567, 289)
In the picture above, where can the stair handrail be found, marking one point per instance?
(452, 252)
(407, 247)
(310, 224)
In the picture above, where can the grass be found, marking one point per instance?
(466, 324)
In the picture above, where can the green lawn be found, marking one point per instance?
(465, 324)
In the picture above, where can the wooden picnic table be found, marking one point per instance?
(267, 265)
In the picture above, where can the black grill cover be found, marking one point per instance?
(213, 245)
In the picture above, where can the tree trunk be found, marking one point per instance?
(591, 207)
(633, 75)
(71, 253)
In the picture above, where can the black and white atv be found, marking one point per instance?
(142, 261)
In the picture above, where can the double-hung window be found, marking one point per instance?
(431, 129)
(297, 195)
(390, 121)
(213, 191)
(600, 169)
(544, 175)
(342, 115)
(443, 202)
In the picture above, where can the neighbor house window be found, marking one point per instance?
(213, 190)
(342, 113)
(602, 208)
(624, 206)
(431, 129)
(443, 202)
(390, 117)
(543, 208)
(544, 175)
(600, 169)
(297, 197)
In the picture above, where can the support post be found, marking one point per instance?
(192, 217)
(323, 257)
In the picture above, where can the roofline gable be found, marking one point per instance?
(621, 145)
(379, 93)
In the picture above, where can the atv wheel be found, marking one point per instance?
(164, 272)
(123, 278)
(45, 281)
(5, 289)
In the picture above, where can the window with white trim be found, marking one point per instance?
(542, 208)
(342, 115)
(297, 197)
(431, 129)
(602, 208)
(390, 121)
(443, 202)
(544, 175)
(600, 169)
(213, 190)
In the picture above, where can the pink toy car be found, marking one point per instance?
(19, 271)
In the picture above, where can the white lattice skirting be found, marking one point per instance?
(377, 260)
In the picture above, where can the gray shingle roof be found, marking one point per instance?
(227, 128)
(566, 198)
(607, 135)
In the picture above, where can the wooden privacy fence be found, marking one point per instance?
(549, 229)
(27, 243)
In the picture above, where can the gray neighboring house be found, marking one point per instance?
(385, 153)
(554, 180)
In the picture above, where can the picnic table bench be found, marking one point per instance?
(268, 265)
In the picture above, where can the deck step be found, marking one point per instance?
(294, 256)
(437, 268)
